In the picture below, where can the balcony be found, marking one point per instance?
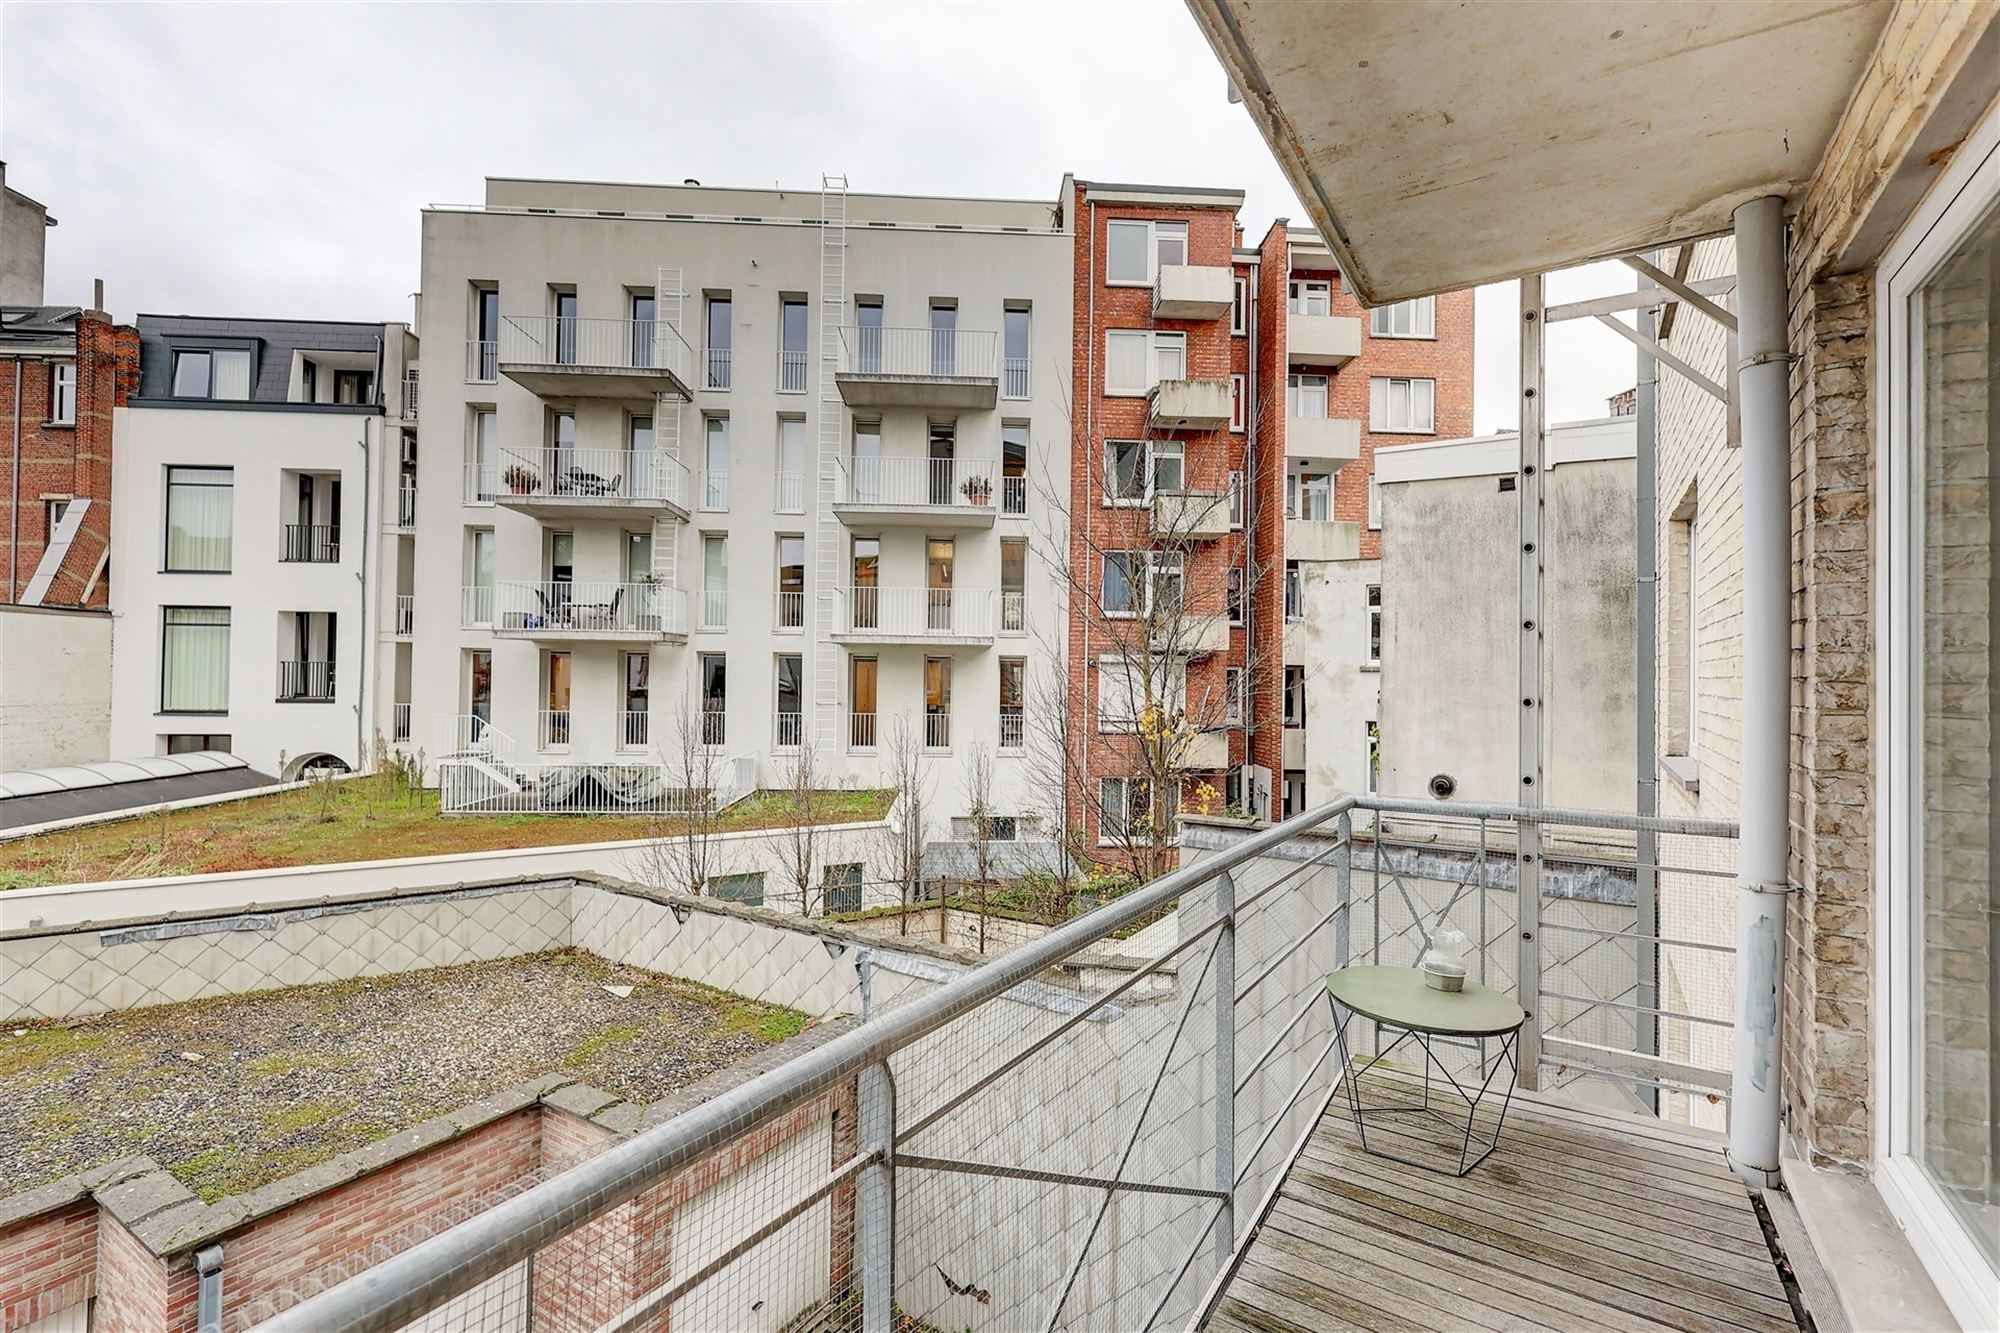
(567, 484)
(1293, 748)
(1198, 515)
(1322, 340)
(1194, 291)
(310, 544)
(406, 615)
(410, 395)
(1207, 751)
(1188, 405)
(571, 612)
(929, 368)
(305, 682)
(940, 617)
(1321, 539)
(399, 723)
(1331, 440)
(918, 492)
(560, 357)
(1191, 634)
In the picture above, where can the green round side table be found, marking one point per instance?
(1396, 997)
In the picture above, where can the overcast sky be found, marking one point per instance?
(271, 160)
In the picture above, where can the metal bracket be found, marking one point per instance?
(1638, 339)
(1682, 290)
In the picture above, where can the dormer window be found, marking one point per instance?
(221, 373)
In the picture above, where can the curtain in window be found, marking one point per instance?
(198, 514)
(232, 376)
(1125, 362)
(194, 665)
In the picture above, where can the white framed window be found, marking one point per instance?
(1128, 361)
(1128, 253)
(62, 393)
(1295, 696)
(1374, 504)
(1405, 319)
(1123, 690)
(1170, 244)
(1295, 593)
(1236, 501)
(1233, 595)
(1125, 471)
(1372, 758)
(1169, 466)
(1169, 357)
(1374, 657)
(1134, 582)
(1407, 406)
(1239, 308)
(715, 462)
(1238, 385)
(1306, 397)
(1235, 691)
(1125, 808)
(1307, 296)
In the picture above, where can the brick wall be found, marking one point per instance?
(48, 1264)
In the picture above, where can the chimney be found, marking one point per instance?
(97, 295)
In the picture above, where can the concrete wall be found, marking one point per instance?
(55, 687)
(1449, 695)
(1343, 693)
(23, 245)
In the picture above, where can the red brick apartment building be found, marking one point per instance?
(62, 371)
(1227, 405)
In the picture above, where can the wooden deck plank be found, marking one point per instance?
(1572, 1224)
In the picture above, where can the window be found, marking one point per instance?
(353, 388)
(792, 350)
(194, 743)
(791, 465)
(1014, 351)
(944, 338)
(1374, 503)
(1306, 297)
(1014, 467)
(482, 464)
(634, 722)
(937, 703)
(865, 483)
(199, 501)
(308, 381)
(1235, 688)
(842, 892)
(1127, 810)
(563, 305)
(1683, 645)
(861, 679)
(721, 332)
(1170, 243)
(1405, 319)
(1234, 595)
(789, 722)
(479, 576)
(1374, 625)
(1169, 466)
(1125, 470)
(940, 569)
(1372, 758)
(791, 610)
(1295, 793)
(1128, 253)
(868, 336)
(715, 463)
(714, 581)
(1309, 495)
(1127, 362)
(1236, 500)
(1402, 405)
(1013, 586)
(642, 478)
(638, 556)
(1013, 702)
(482, 366)
(52, 517)
(1239, 308)
(553, 733)
(1126, 688)
(1238, 387)
(1117, 594)
(865, 610)
(1136, 581)
(1295, 696)
(62, 393)
(194, 659)
(943, 471)
(1305, 397)
(1295, 597)
(645, 328)
(1166, 582)
(746, 889)
(713, 673)
(221, 373)
(1169, 357)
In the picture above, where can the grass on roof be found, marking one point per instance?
(361, 819)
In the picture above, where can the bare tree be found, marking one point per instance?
(681, 832)
(796, 843)
(979, 815)
(909, 781)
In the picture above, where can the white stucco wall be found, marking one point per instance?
(1343, 692)
(55, 687)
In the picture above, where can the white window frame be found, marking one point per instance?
(1295, 593)
(1135, 388)
(1169, 449)
(1151, 252)
(1238, 387)
(1124, 807)
(1112, 497)
(1297, 391)
(1163, 345)
(1958, 201)
(1299, 294)
(1381, 414)
(1234, 690)
(1239, 309)
(1293, 721)
(62, 393)
(1371, 648)
(1418, 315)
(1374, 504)
(1236, 501)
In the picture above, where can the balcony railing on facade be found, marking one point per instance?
(618, 484)
(305, 682)
(635, 729)
(919, 492)
(791, 492)
(937, 729)
(568, 611)
(718, 368)
(788, 610)
(475, 785)
(471, 735)
(552, 729)
(918, 367)
(861, 731)
(918, 616)
(565, 357)
(406, 615)
(1143, 1118)
(406, 505)
(410, 395)
(787, 730)
(310, 543)
(1014, 381)
(399, 723)
(1013, 729)
(793, 367)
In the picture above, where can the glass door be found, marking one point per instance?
(867, 576)
(939, 559)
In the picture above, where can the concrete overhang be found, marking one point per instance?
(1437, 146)
(566, 381)
(975, 392)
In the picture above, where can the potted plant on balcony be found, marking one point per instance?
(978, 490)
(519, 479)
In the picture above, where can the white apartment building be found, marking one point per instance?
(250, 478)
(752, 468)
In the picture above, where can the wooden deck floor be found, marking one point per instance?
(1577, 1221)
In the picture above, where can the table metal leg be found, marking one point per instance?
(1508, 1057)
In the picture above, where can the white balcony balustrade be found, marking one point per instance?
(918, 367)
(861, 731)
(917, 492)
(1013, 730)
(1014, 377)
(788, 610)
(715, 488)
(305, 682)
(568, 357)
(791, 492)
(406, 615)
(399, 723)
(787, 730)
(310, 544)
(716, 368)
(714, 608)
(714, 726)
(1013, 496)
(913, 615)
(475, 606)
(552, 729)
(471, 734)
(482, 483)
(592, 483)
(482, 360)
(409, 395)
(569, 611)
(1013, 613)
(635, 729)
(937, 731)
(792, 371)
(406, 504)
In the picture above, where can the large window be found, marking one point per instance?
(1014, 351)
(1013, 586)
(792, 353)
(714, 581)
(1013, 702)
(194, 659)
(1137, 359)
(1309, 297)
(221, 373)
(199, 501)
(791, 465)
(713, 673)
(1402, 405)
(788, 723)
(791, 608)
(1305, 396)
(721, 333)
(1405, 319)
(1126, 810)
(1128, 253)
(862, 677)
(1127, 688)
(62, 393)
(1125, 470)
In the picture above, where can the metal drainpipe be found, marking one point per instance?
(1077, 705)
(367, 672)
(1646, 593)
(14, 503)
(1764, 800)
(1251, 512)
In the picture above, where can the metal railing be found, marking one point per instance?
(1014, 495)
(915, 613)
(714, 726)
(406, 504)
(469, 786)
(715, 488)
(787, 729)
(791, 488)
(1013, 730)
(942, 483)
(409, 395)
(592, 344)
(399, 723)
(861, 731)
(910, 353)
(714, 608)
(471, 734)
(482, 360)
(310, 543)
(1013, 613)
(716, 370)
(792, 369)
(1084, 1131)
(596, 474)
(475, 606)
(406, 614)
(563, 607)
(305, 682)
(1014, 377)
(788, 610)
(552, 729)
(635, 728)
(937, 730)
(482, 483)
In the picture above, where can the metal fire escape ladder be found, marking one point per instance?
(668, 301)
(832, 310)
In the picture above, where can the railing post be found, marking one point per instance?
(1225, 1067)
(1528, 834)
(876, 1198)
(1343, 873)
